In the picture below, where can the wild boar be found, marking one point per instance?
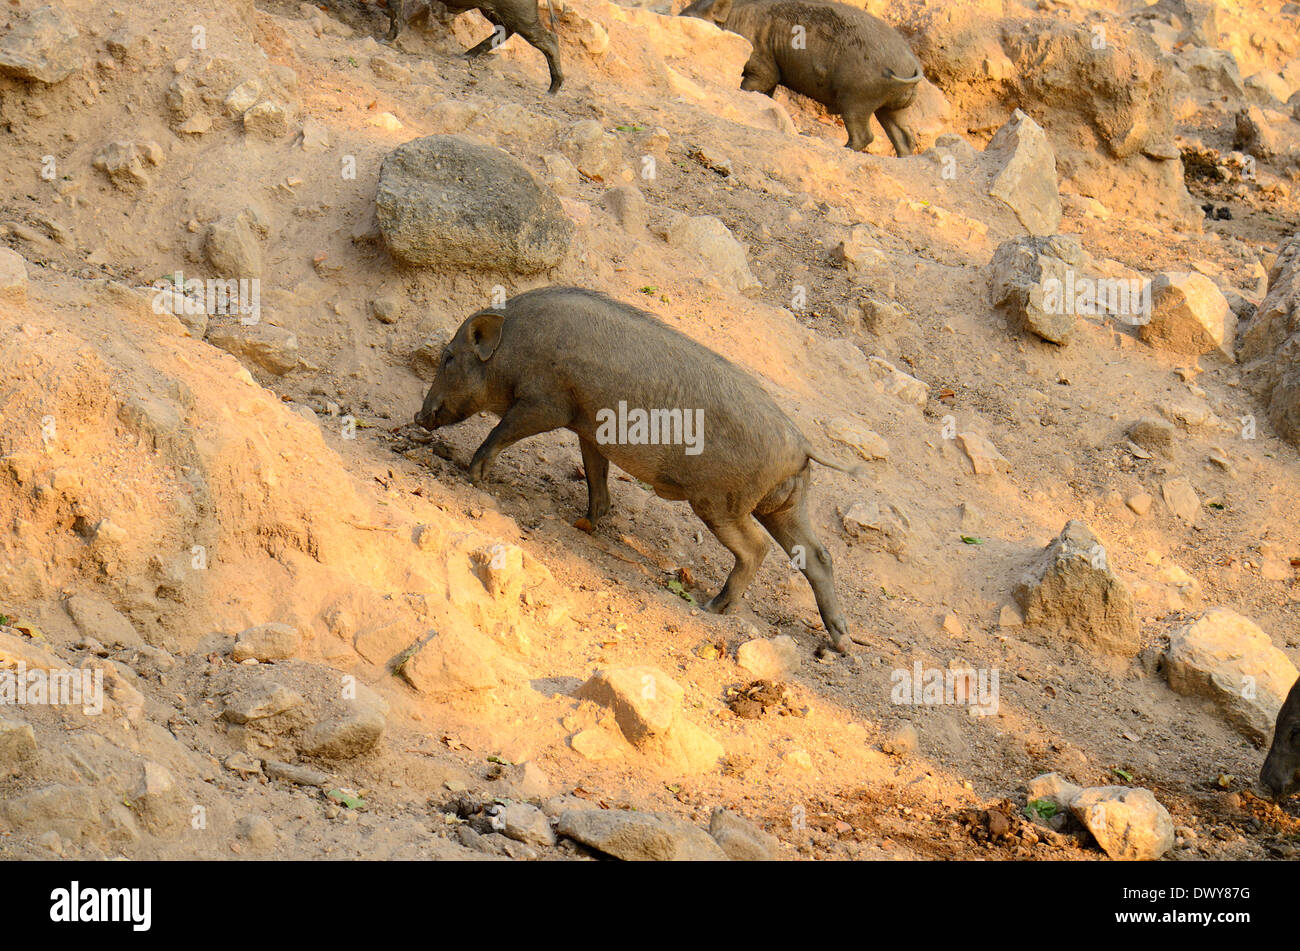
(660, 406)
(853, 63)
(511, 16)
(1281, 772)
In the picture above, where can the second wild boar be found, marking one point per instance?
(569, 358)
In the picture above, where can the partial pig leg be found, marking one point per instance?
(789, 526)
(396, 19)
(500, 33)
(520, 421)
(597, 468)
(898, 133)
(549, 45)
(745, 540)
(857, 122)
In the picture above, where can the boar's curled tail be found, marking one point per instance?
(905, 80)
(856, 471)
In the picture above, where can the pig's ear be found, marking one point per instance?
(485, 333)
(719, 10)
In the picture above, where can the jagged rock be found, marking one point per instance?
(1228, 659)
(232, 248)
(707, 240)
(639, 836)
(1053, 788)
(1129, 824)
(267, 642)
(1181, 499)
(1072, 589)
(96, 618)
(259, 701)
(740, 839)
(445, 202)
(126, 163)
(1270, 344)
(459, 660)
(982, 455)
(1027, 278)
(596, 153)
(42, 47)
(769, 659)
(1154, 434)
(261, 345)
(525, 823)
(13, 276)
(17, 746)
(1189, 315)
(883, 526)
(849, 432)
(267, 120)
(888, 379)
(1026, 181)
(345, 736)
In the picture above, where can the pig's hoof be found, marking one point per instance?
(583, 525)
(714, 606)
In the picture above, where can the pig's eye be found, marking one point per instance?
(446, 361)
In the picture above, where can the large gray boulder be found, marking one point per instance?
(42, 47)
(445, 202)
(1270, 344)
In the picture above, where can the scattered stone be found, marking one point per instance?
(261, 700)
(98, 619)
(232, 248)
(1154, 434)
(741, 840)
(126, 163)
(1139, 502)
(645, 700)
(345, 736)
(13, 276)
(891, 381)
(982, 455)
(525, 823)
(17, 746)
(851, 433)
(42, 47)
(881, 525)
(261, 345)
(639, 836)
(1053, 788)
(1129, 824)
(628, 206)
(445, 202)
(769, 659)
(1030, 278)
(900, 741)
(257, 831)
(1228, 659)
(597, 154)
(1026, 182)
(267, 120)
(1072, 589)
(707, 240)
(1181, 499)
(298, 775)
(267, 642)
(315, 136)
(1189, 315)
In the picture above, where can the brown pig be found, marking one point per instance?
(853, 63)
(1281, 772)
(660, 406)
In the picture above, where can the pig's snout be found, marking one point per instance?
(428, 416)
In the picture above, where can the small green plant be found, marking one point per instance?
(1042, 809)
(679, 589)
(1122, 774)
(972, 540)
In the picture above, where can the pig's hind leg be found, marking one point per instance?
(597, 468)
(500, 33)
(790, 527)
(745, 540)
(519, 422)
(899, 136)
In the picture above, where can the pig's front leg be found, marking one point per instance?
(520, 421)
